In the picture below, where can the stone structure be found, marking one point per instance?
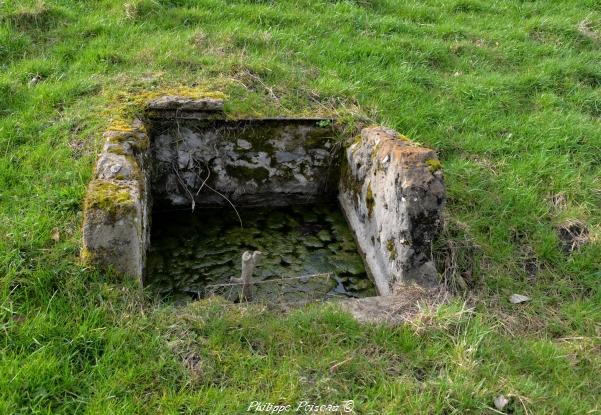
(201, 159)
(116, 230)
(392, 193)
(391, 190)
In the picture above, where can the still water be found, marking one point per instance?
(194, 254)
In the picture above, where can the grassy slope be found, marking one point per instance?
(508, 91)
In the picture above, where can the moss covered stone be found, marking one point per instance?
(111, 197)
(119, 150)
(348, 181)
(259, 138)
(434, 165)
(318, 137)
(246, 173)
(369, 200)
(391, 249)
(137, 139)
(136, 170)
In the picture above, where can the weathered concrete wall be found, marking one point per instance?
(252, 162)
(116, 230)
(392, 193)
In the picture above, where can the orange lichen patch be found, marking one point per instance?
(404, 154)
(397, 147)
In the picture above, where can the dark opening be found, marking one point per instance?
(308, 253)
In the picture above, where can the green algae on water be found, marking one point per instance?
(192, 251)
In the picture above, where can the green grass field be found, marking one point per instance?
(508, 92)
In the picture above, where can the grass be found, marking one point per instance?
(509, 94)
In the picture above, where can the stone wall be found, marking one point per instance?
(201, 159)
(116, 230)
(392, 193)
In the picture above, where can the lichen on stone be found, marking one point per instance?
(245, 173)
(391, 249)
(110, 197)
(369, 200)
(137, 138)
(129, 105)
(120, 125)
(136, 170)
(356, 144)
(349, 181)
(375, 150)
(119, 150)
(259, 139)
(433, 165)
(318, 138)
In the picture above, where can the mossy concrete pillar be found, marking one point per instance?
(116, 208)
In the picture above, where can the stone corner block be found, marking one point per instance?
(116, 207)
(392, 193)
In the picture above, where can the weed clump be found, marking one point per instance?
(39, 16)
